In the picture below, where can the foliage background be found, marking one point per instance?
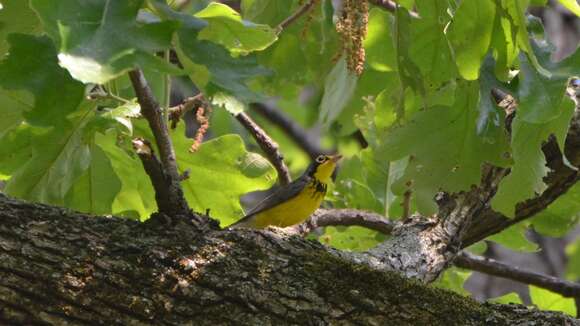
(69, 113)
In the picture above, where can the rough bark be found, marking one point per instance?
(61, 267)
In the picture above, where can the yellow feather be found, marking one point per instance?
(294, 211)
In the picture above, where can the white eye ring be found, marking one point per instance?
(320, 159)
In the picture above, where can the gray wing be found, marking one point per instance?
(281, 195)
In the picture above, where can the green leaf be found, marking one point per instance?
(430, 48)
(228, 102)
(31, 69)
(511, 297)
(453, 279)
(15, 150)
(526, 178)
(516, 10)
(59, 156)
(226, 27)
(571, 5)
(94, 191)
(338, 89)
(445, 148)
(504, 44)
(100, 40)
(470, 35)
(12, 106)
(16, 17)
(547, 300)
(220, 172)
(560, 216)
(573, 266)
(352, 238)
(210, 65)
(540, 96)
(271, 12)
(135, 197)
(379, 47)
(515, 239)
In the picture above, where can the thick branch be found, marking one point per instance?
(268, 146)
(60, 267)
(373, 221)
(496, 268)
(152, 112)
(291, 128)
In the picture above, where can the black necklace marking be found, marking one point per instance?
(318, 187)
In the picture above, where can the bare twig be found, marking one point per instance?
(391, 6)
(268, 146)
(291, 128)
(345, 217)
(176, 112)
(496, 268)
(292, 18)
(176, 204)
(406, 204)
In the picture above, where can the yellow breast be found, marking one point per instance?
(294, 211)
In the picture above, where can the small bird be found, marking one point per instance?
(294, 203)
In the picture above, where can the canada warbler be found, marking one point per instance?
(294, 203)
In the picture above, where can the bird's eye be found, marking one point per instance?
(320, 159)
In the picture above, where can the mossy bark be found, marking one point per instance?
(61, 267)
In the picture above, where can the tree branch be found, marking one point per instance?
(560, 178)
(175, 113)
(373, 221)
(268, 146)
(295, 16)
(150, 109)
(497, 268)
(61, 267)
(291, 128)
(345, 217)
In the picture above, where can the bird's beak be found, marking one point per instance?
(335, 158)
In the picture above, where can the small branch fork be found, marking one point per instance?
(429, 244)
(374, 221)
(163, 172)
(266, 143)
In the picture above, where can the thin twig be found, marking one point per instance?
(345, 217)
(175, 113)
(391, 6)
(268, 146)
(150, 109)
(291, 128)
(297, 14)
(496, 268)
